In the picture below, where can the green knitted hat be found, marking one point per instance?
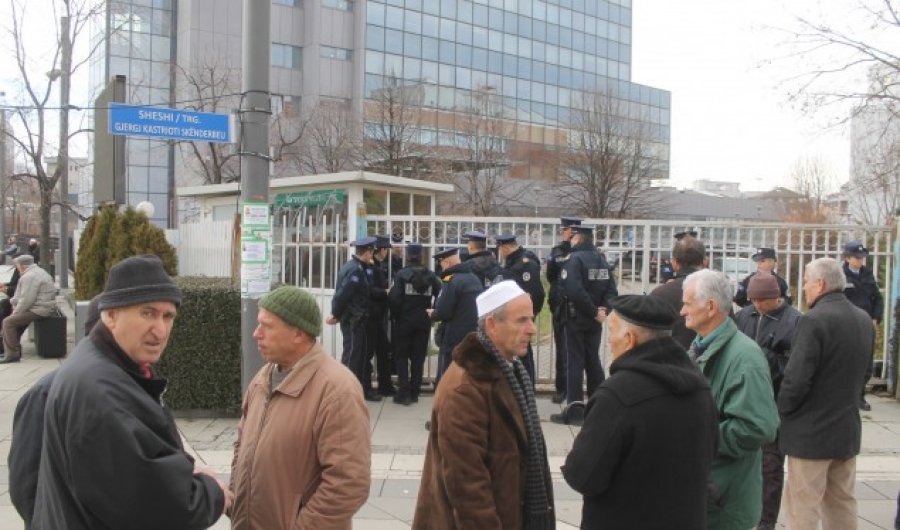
(296, 307)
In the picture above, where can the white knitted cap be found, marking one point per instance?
(498, 295)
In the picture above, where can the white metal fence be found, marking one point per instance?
(309, 251)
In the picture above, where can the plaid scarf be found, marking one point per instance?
(537, 513)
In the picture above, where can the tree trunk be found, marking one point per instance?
(46, 202)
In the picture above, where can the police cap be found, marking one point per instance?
(364, 242)
(569, 221)
(764, 253)
(475, 235)
(382, 241)
(502, 239)
(445, 252)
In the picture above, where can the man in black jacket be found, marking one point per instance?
(558, 255)
(820, 425)
(588, 286)
(862, 291)
(455, 306)
(766, 262)
(643, 457)
(412, 295)
(688, 255)
(481, 261)
(377, 321)
(112, 456)
(523, 267)
(771, 322)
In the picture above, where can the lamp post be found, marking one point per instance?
(63, 157)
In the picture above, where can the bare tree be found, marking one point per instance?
(611, 160)
(393, 117)
(332, 141)
(814, 180)
(37, 76)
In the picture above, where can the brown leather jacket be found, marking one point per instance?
(303, 455)
(475, 463)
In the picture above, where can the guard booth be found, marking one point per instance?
(314, 216)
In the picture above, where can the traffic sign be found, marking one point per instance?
(172, 124)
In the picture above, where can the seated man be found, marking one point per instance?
(35, 298)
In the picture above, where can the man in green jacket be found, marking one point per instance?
(742, 389)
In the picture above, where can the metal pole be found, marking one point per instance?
(254, 149)
(4, 124)
(63, 157)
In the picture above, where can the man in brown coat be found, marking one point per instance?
(302, 458)
(486, 461)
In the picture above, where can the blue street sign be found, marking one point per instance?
(174, 124)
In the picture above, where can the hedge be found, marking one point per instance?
(203, 358)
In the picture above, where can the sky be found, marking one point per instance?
(725, 63)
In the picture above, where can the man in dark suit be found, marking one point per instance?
(688, 256)
(820, 424)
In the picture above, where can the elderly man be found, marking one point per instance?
(771, 322)
(523, 267)
(742, 389)
(820, 427)
(486, 461)
(766, 262)
(35, 298)
(862, 291)
(688, 255)
(302, 458)
(112, 456)
(643, 457)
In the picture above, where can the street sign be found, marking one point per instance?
(299, 199)
(170, 124)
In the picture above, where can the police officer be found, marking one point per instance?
(766, 262)
(481, 261)
(376, 324)
(862, 291)
(411, 296)
(524, 268)
(558, 255)
(588, 287)
(350, 307)
(455, 306)
(394, 264)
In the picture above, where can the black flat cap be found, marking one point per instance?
(764, 253)
(644, 311)
(445, 252)
(382, 241)
(505, 238)
(569, 221)
(680, 235)
(475, 235)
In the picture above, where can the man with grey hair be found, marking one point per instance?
(742, 389)
(820, 429)
(35, 298)
(486, 460)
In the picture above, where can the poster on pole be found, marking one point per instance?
(256, 249)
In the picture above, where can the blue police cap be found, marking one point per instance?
(584, 229)
(856, 249)
(475, 235)
(764, 253)
(413, 250)
(382, 241)
(505, 238)
(445, 252)
(570, 221)
(364, 242)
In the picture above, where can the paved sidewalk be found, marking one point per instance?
(398, 447)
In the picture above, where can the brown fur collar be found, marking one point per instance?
(471, 356)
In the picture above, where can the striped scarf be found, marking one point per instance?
(537, 513)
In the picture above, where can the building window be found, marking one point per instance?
(329, 52)
(289, 3)
(343, 5)
(287, 56)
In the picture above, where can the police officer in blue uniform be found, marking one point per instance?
(481, 261)
(766, 261)
(455, 307)
(350, 307)
(411, 296)
(523, 267)
(862, 291)
(558, 256)
(376, 324)
(588, 289)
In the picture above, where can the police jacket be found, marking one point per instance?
(351, 292)
(554, 268)
(773, 333)
(484, 265)
(588, 284)
(525, 268)
(741, 299)
(378, 286)
(862, 291)
(455, 307)
(414, 290)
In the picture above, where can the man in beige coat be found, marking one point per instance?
(302, 457)
(35, 298)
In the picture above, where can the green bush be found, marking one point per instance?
(203, 358)
(111, 236)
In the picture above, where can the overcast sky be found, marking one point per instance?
(723, 61)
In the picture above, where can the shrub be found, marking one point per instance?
(203, 358)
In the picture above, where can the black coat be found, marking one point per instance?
(588, 284)
(819, 397)
(741, 299)
(643, 457)
(25, 448)
(673, 292)
(112, 457)
(862, 291)
(773, 333)
(558, 255)
(484, 265)
(414, 290)
(524, 268)
(351, 292)
(455, 307)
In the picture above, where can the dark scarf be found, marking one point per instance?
(537, 514)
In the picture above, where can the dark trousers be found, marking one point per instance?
(773, 482)
(12, 328)
(583, 357)
(866, 376)
(355, 348)
(409, 357)
(380, 349)
(528, 362)
(897, 517)
(559, 340)
(444, 359)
